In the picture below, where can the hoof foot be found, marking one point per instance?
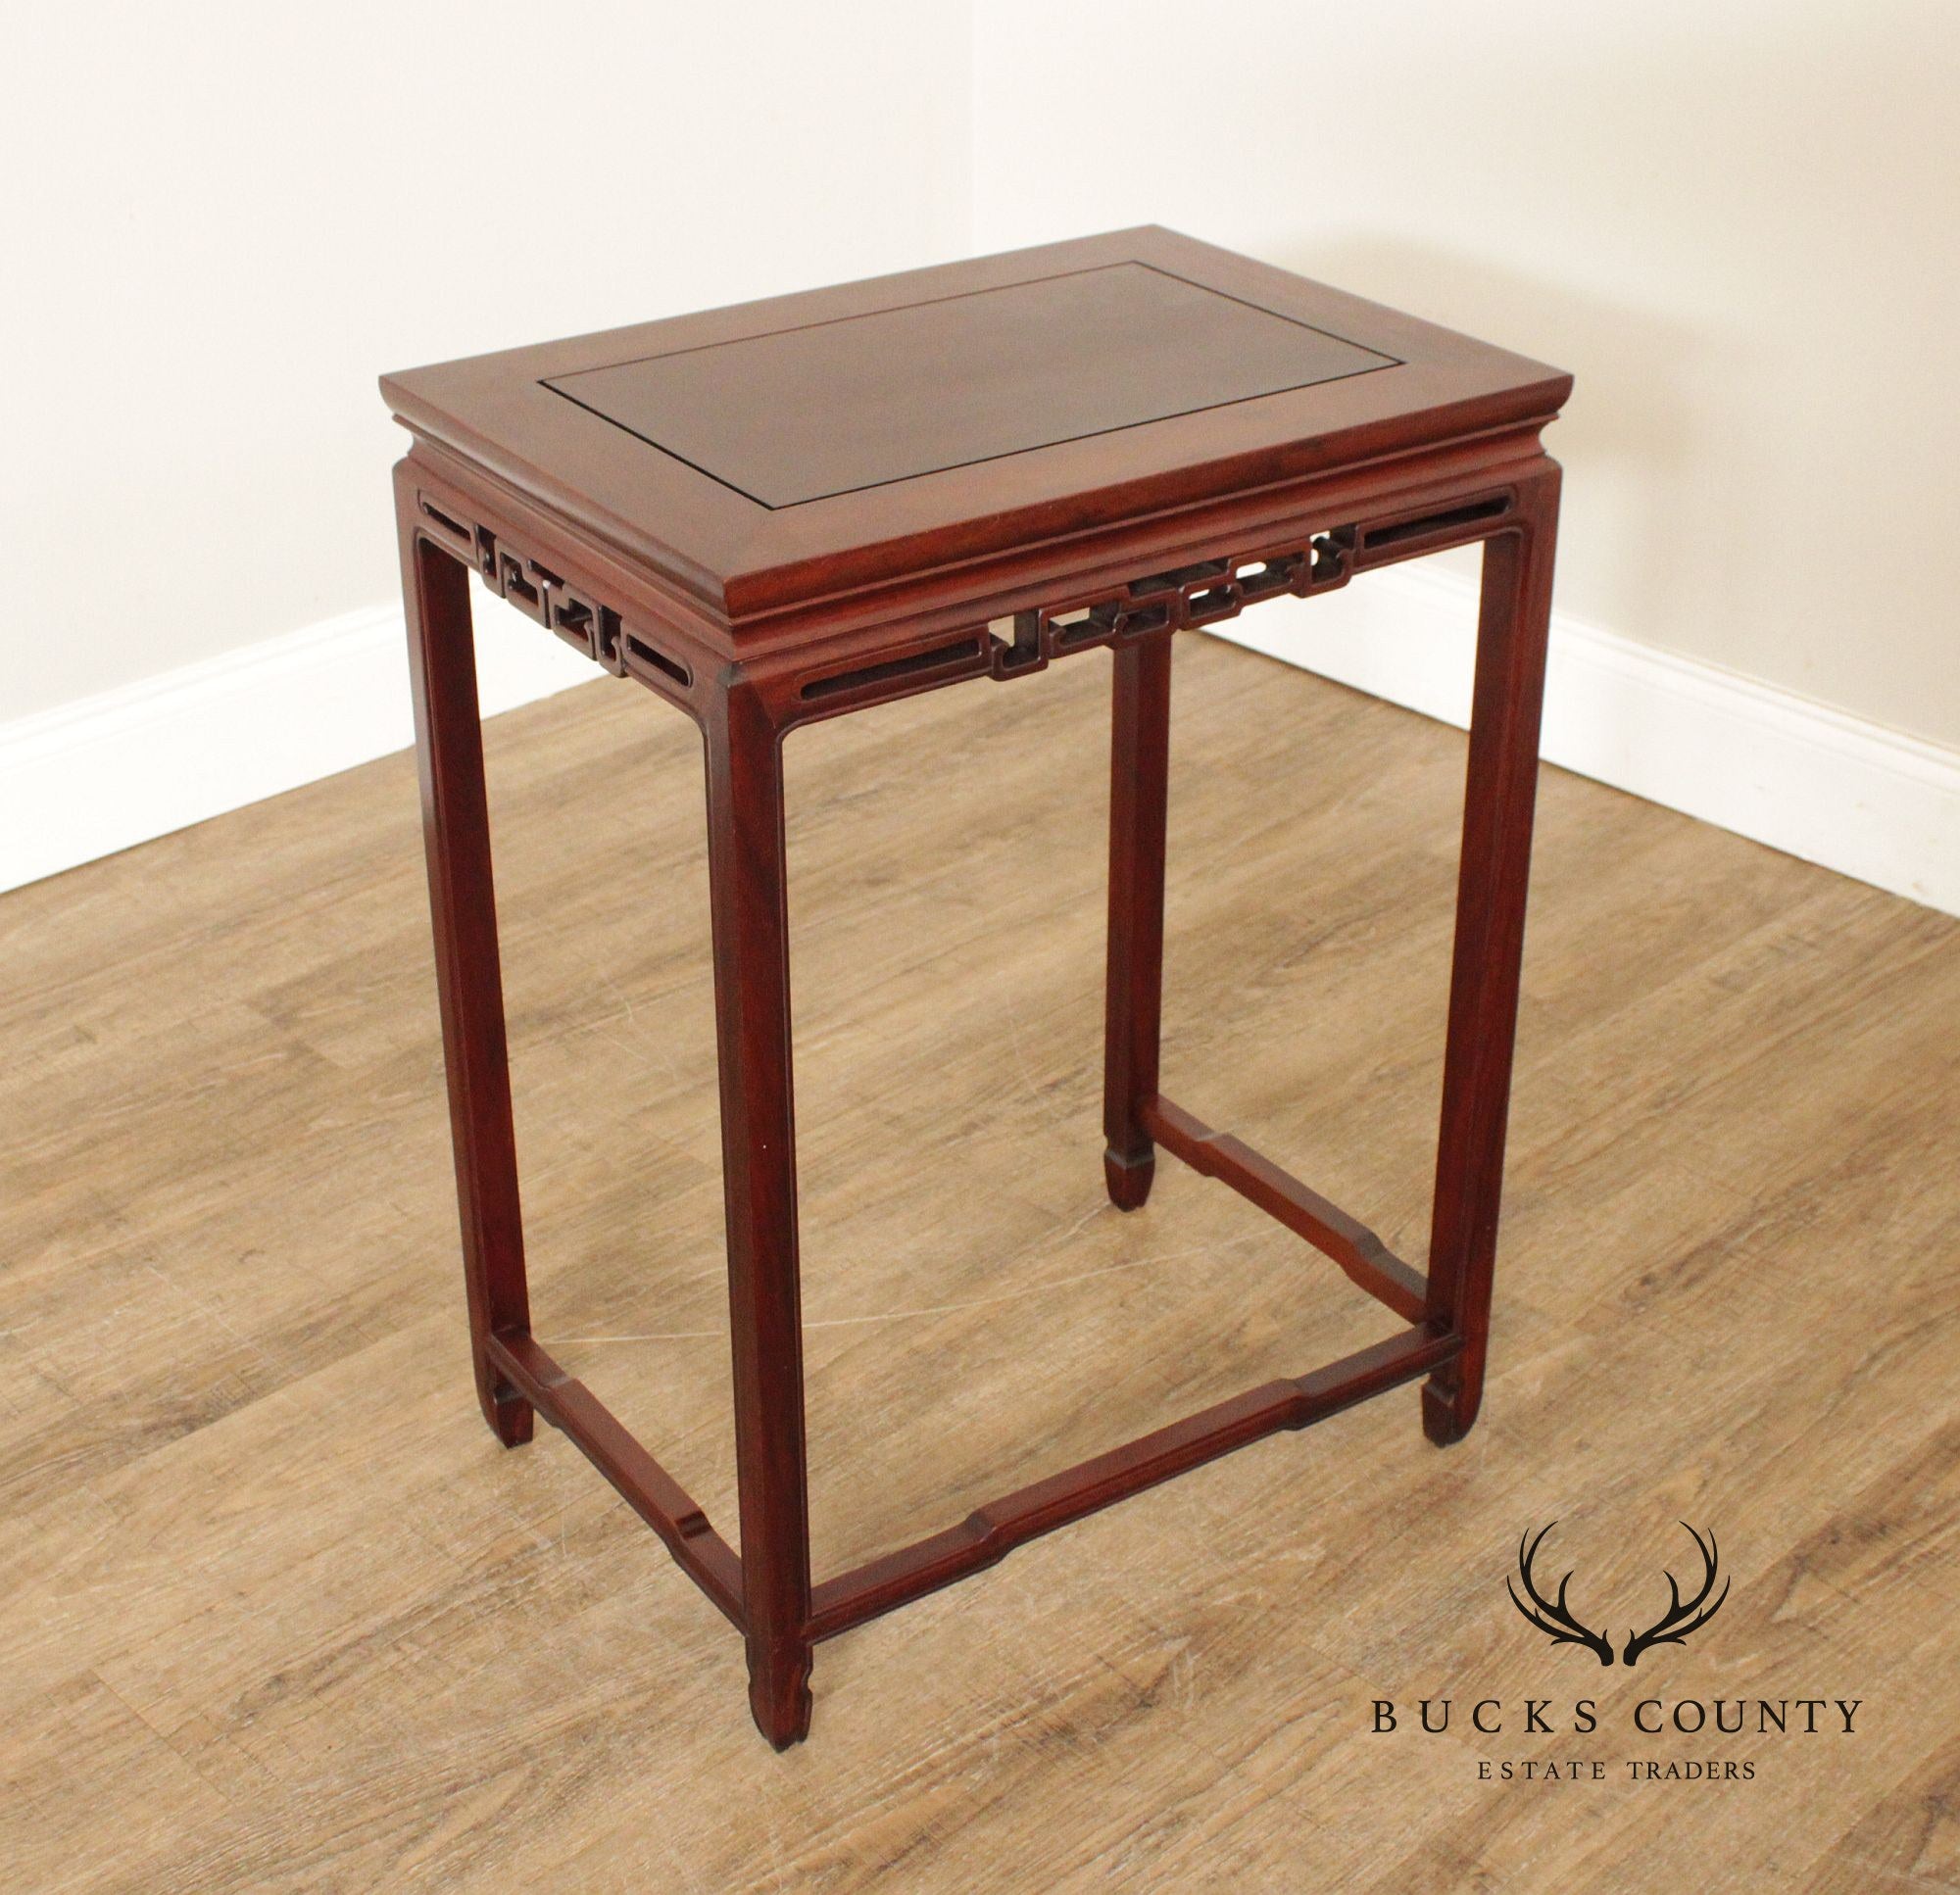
(1448, 1414)
(779, 1697)
(1129, 1180)
(509, 1416)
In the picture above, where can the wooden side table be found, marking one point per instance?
(795, 509)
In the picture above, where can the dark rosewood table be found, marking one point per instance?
(794, 509)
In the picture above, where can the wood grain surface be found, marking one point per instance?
(804, 411)
(1172, 405)
(282, 1615)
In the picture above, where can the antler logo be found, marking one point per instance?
(1681, 1616)
(1557, 1619)
(1552, 1617)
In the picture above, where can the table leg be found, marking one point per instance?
(1133, 1000)
(748, 896)
(1500, 787)
(456, 831)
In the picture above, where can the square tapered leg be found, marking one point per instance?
(1500, 794)
(455, 832)
(747, 894)
(1133, 1000)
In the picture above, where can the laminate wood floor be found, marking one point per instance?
(280, 1614)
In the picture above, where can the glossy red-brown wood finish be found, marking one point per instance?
(749, 895)
(1121, 540)
(1133, 994)
(820, 410)
(469, 982)
(711, 546)
(1499, 796)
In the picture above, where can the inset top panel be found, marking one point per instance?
(1046, 405)
(831, 408)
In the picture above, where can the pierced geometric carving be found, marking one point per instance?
(527, 590)
(1205, 593)
(639, 658)
(934, 659)
(585, 623)
(463, 535)
(1422, 527)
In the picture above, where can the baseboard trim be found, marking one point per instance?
(1766, 764)
(98, 776)
(95, 777)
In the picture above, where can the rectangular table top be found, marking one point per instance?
(774, 451)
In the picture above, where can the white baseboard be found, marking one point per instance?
(97, 776)
(117, 769)
(1815, 782)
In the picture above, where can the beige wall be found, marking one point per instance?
(1738, 223)
(222, 222)
(1734, 222)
